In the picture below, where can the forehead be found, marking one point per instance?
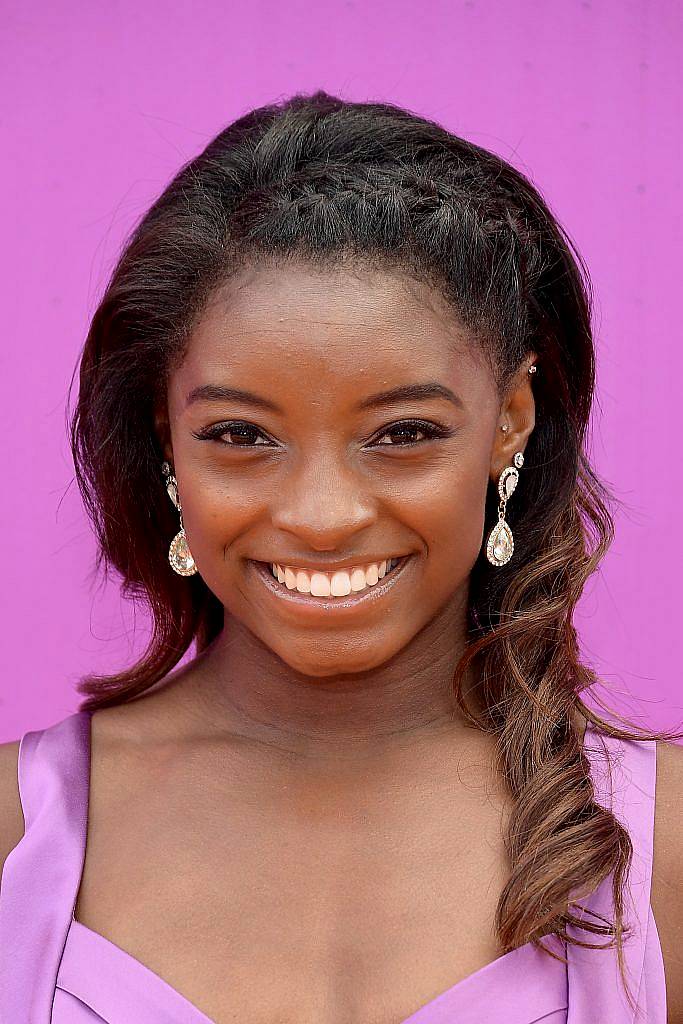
(338, 324)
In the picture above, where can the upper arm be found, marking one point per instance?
(11, 816)
(667, 872)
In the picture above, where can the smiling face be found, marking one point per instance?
(316, 472)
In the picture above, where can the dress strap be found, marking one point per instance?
(42, 873)
(624, 779)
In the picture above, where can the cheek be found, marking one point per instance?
(449, 516)
(217, 514)
(216, 518)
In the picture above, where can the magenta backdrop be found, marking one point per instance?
(103, 103)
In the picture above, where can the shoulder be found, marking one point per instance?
(11, 816)
(667, 872)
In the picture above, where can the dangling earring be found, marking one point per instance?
(501, 544)
(179, 554)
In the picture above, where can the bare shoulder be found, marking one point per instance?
(11, 816)
(667, 872)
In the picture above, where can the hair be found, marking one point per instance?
(322, 180)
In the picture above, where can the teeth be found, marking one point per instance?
(303, 583)
(290, 579)
(338, 584)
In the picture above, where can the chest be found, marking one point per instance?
(274, 897)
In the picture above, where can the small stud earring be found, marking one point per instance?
(501, 545)
(179, 554)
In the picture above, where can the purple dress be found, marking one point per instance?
(55, 970)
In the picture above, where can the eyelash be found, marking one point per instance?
(214, 433)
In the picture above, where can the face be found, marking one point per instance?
(318, 471)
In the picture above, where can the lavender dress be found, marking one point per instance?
(55, 970)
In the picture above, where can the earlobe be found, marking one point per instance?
(520, 409)
(498, 457)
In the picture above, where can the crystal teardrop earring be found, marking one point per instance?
(501, 545)
(179, 554)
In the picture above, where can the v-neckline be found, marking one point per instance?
(113, 974)
(83, 943)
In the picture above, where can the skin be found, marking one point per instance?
(316, 344)
(302, 802)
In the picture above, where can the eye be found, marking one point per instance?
(237, 428)
(410, 427)
(248, 433)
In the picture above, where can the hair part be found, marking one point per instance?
(333, 183)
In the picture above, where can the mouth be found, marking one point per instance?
(326, 605)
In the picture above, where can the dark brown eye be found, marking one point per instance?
(245, 435)
(246, 432)
(408, 428)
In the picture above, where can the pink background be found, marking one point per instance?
(103, 103)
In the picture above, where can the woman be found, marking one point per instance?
(330, 426)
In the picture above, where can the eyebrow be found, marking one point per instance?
(419, 392)
(218, 393)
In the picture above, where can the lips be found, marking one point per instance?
(306, 603)
(334, 583)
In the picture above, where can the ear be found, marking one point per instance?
(518, 411)
(162, 428)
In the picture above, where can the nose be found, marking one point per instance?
(324, 504)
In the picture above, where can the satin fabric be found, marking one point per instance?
(55, 970)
